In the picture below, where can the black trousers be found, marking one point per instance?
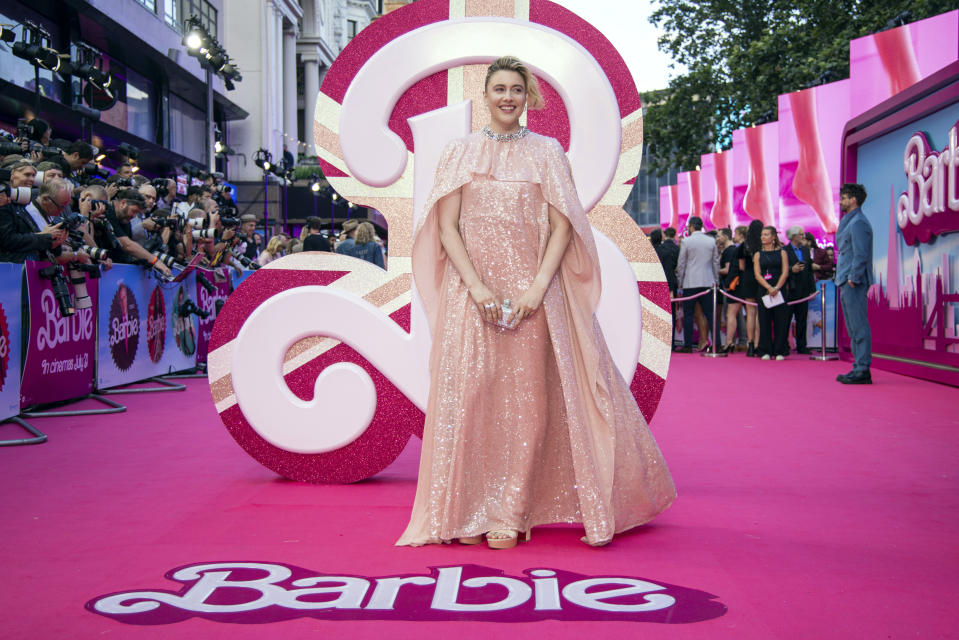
(774, 330)
(689, 310)
(800, 312)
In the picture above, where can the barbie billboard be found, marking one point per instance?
(905, 152)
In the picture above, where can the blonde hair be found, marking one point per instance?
(274, 246)
(365, 233)
(534, 99)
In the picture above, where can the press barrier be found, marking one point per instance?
(135, 328)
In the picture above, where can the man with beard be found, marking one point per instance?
(853, 277)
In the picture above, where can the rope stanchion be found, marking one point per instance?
(712, 353)
(756, 304)
(732, 297)
(823, 356)
(698, 295)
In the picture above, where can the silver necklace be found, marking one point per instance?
(505, 137)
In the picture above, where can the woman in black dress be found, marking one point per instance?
(771, 268)
(748, 287)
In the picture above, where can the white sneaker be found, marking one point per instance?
(766, 357)
(780, 357)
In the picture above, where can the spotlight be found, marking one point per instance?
(263, 159)
(131, 152)
(228, 84)
(26, 51)
(134, 168)
(7, 34)
(315, 184)
(49, 59)
(100, 157)
(194, 37)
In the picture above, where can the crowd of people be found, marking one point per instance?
(767, 282)
(58, 205)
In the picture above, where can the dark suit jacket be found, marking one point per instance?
(803, 283)
(668, 254)
(19, 237)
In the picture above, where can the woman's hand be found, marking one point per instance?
(486, 302)
(527, 303)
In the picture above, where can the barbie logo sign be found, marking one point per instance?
(56, 329)
(930, 204)
(257, 592)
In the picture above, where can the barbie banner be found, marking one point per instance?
(60, 350)
(146, 328)
(10, 282)
(217, 287)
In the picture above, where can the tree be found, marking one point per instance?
(741, 55)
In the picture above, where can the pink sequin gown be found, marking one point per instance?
(532, 425)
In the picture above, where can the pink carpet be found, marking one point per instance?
(806, 509)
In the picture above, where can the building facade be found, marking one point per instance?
(284, 48)
(160, 92)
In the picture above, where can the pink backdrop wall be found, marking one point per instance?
(801, 153)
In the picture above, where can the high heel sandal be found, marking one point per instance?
(602, 543)
(750, 351)
(505, 538)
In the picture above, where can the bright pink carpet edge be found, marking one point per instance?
(808, 508)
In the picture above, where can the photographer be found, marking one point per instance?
(23, 237)
(141, 224)
(92, 205)
(49, 208)
(248, 229)
(166, 193)
(125, 171)
(127, 205)
(78, 155)
(193, 196)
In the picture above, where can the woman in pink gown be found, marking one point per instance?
(533, 424)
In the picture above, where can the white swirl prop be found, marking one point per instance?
(288, 422)
(376, 156)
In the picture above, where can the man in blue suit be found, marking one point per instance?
(853, 277)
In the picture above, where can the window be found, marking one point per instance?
(175, 12)
(187, 127)
(351, 29)
(151, 5)
(141, 119)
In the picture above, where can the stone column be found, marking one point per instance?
(289, 90)
(311, 87)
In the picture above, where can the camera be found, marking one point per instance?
(58, 282)
(170, 221)
(246, 262)
(112, 241)
(96, 253)
(9, 148)
(160, 184)
(188, 307)
(195, 223)
(124, 182)
(199, 234)
(20, 195)
(229, 221)
(24, 128)
(71, 222)
(168, 260)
